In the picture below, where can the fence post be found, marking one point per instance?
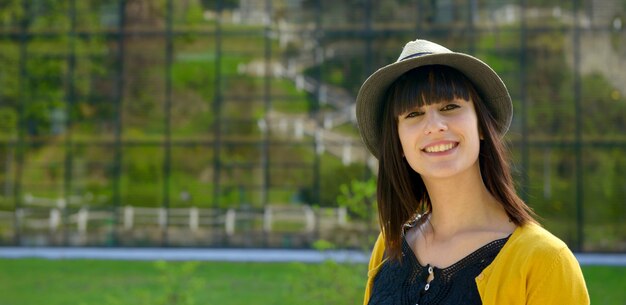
(61, 203)
(299, 129)
(229, 223)
(81, 220)
(128, 217)
(299, 82)
(19, 217)
(319, 141)
(309, 215)
(193, 218)
(323, 97)
(267, 219)
(346, 156)
(162, 217)
(342, 216)
(55, 219)
(328, 122)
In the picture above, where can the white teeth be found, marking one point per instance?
(439, 148)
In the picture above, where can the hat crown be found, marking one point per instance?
(421, 47)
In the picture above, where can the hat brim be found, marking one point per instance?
(371, 97)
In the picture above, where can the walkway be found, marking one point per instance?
(184, 254)
(236, 255)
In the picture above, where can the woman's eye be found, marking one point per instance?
(450, 107)
(413, 114)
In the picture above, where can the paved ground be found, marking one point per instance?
(235, 255)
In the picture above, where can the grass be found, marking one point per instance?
(36, 281)
(606, 284)
(91, 282)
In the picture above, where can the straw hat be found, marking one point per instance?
(371, 97)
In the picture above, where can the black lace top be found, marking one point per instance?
(405, 283)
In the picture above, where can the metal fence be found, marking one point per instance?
(196, 111)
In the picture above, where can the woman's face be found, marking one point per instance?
(440, 140)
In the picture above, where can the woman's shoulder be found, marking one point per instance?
(531, 242)
(537, 238)
(541, 263)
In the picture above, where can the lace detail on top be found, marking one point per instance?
(405, 282)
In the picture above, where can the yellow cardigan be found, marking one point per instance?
(534, 267)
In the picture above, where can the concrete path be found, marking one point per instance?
(184, 254)
(236, 255)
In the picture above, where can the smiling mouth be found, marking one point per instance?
(440, 148)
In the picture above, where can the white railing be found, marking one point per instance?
(291, 214)
(193, 218)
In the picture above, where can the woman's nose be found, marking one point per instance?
(435, 123)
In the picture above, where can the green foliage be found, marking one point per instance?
(190, 12)
(195, 73)
(359, 197)
(8, 121)
(604, 108)
(10, 12)
(49, 14)
(323, 245)
(298, 102)
(333, 175)
(341, 72)
(226, 4)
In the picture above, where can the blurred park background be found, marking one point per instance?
(230, 124)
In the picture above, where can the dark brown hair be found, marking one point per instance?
(401, 191)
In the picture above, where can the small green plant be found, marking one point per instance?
(359, 197)
(177, 284)
(332, 283)
(323, 245)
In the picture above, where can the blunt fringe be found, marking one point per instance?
(401, 192)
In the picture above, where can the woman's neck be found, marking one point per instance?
(461, 204)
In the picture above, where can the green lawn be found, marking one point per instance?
(76, 282)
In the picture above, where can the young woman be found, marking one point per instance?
(453, 229)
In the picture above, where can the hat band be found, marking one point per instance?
(415, 55)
